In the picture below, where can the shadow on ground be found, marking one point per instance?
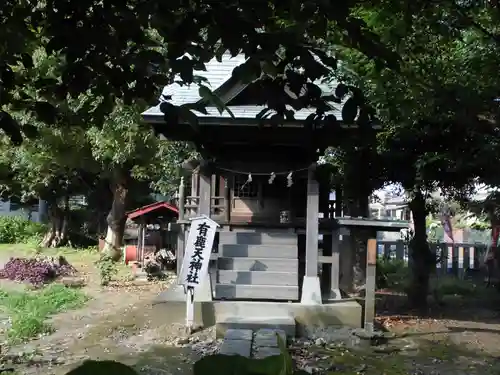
(431, 358)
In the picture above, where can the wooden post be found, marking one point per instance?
(181, 199)
(311, 290)
(371, 266)
(338, 201)
(180, 247)
(227, 201)
(195, 179)
(335, 270)
(204, 203)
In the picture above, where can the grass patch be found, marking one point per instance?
(29, 310)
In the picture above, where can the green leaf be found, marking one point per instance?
(276, 119)
(263, 113)
(270, 69)
(207, 95)
(45, 82)
(349, 111)
(199, 107)
(341, 90)
(248, 71)
(286, 358)
(219, 52)
(190, 117)
(11, 128)
(27, 61)
(7, 76)
(30, 131)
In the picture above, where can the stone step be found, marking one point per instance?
(259, 251)
(283, 323)
(258, 238)
(236, 347)
(261, 292)
(258, 264)
(258, 277)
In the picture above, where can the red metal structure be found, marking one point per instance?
(157, 214)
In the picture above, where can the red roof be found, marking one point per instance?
(152, 207)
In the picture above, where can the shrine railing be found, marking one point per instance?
(192, 205)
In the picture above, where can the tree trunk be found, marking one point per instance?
(358, 207)
(116, 218)
(420, 253)
(57, 234)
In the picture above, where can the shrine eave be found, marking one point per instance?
(239, 121)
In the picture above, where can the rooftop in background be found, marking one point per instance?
(157, 210)
(218, 74)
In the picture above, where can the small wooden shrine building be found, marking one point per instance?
(262, 183)
(148, 229)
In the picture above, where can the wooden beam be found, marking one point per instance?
(312, 225)
(335, 271)
(371, 269)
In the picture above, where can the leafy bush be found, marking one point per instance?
(450, 285)
(392, 274)
(16, 229)
(107, 269)
(35, 270)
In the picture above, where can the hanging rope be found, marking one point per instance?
(284, 173)
(272, 175)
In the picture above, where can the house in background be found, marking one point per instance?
(11, 207)
(390, 208)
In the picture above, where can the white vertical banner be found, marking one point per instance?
(194, 269)
(197, 253)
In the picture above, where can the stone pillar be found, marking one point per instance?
(311, 290)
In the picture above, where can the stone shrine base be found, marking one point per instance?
(295, 319)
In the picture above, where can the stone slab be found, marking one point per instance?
(238, 334)
(236, 347)
(284, 323)
(266, 337)
(265, 352)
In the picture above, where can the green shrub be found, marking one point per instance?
(15, 229)
(392, 274)
(29, 310)
(107, 269)
(450, 285)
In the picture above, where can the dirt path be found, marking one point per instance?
(120, 323)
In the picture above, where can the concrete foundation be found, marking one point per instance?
(249, 315)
